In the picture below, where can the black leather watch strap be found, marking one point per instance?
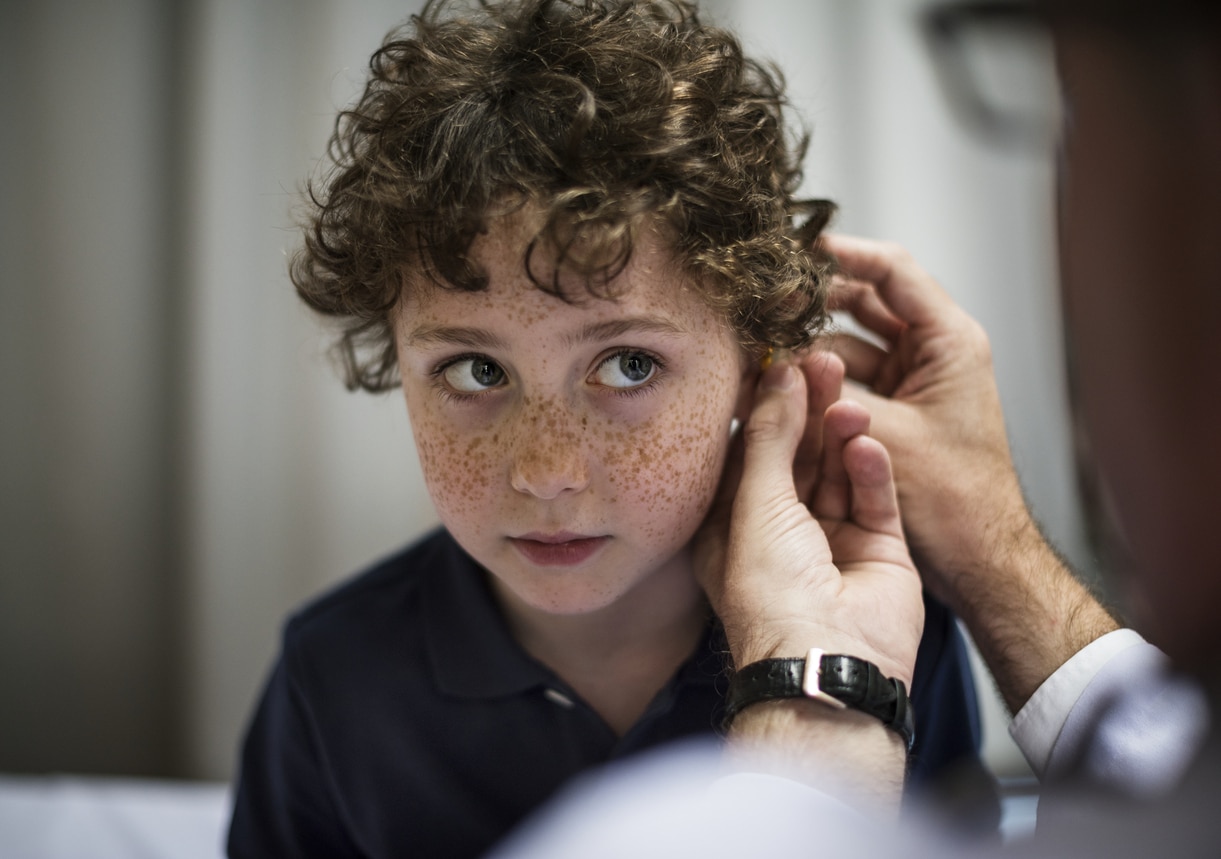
(836, 680)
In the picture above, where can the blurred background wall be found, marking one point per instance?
(179, 464)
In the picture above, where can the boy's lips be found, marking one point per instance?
(560, 549)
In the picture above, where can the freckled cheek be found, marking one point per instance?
(457, 467)
(670, 465)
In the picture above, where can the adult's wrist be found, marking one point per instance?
(1028, 613)
(835, 680)
(843, 753)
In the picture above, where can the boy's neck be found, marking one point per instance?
(618, 657)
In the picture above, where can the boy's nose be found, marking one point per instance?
(549, 456)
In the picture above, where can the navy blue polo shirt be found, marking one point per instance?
(403, 720)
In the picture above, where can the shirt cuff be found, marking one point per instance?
(1036, 727)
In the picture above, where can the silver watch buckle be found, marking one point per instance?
(810, 680)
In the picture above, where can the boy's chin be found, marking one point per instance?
(568, 599)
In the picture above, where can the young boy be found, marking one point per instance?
(567, 230)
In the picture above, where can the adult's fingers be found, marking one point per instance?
(860, 299)
(905, 288)
(875, 502)
(771, 436)
(862, 359)
(823, 374)
(833, 498)
(866, 364)
(893, 424)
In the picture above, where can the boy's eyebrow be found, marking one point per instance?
(453, 335)
(612, 328)
(479, 338)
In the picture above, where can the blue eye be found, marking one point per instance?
(472, 375)
(626, 370)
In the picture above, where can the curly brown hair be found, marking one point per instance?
(604, 114)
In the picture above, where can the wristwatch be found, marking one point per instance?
(836, 680)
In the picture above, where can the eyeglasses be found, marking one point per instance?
(996, 64)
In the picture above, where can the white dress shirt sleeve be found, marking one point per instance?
(1114, 714)
(1037, 726)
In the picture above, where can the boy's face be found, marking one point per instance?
(571, 449)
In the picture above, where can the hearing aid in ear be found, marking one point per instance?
(771, 356)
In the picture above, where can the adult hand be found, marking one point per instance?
(935, 405)
(933, 397)
(804, 546)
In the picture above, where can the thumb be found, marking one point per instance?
(771, 435)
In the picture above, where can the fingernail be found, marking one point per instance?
(777, 377)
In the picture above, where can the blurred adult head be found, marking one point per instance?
(1141, 273)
